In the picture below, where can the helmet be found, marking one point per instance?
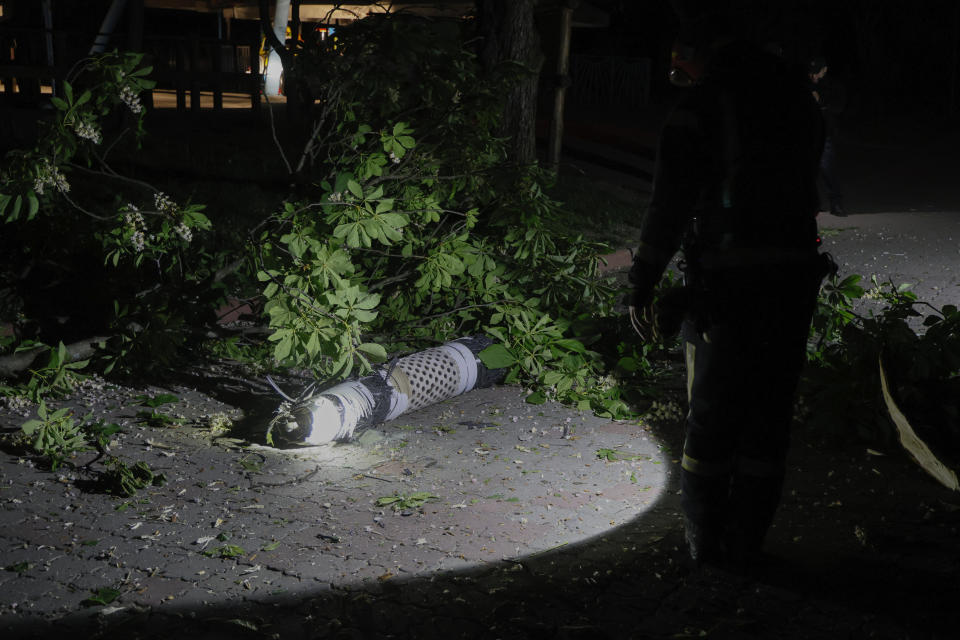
(705, 25)
(686, 64)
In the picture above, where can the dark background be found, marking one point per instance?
(895, 56)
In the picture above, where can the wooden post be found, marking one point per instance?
(217, 75)
(48, 40)
(555, 141)
(194, 53)
(955, 66)
(135, 25)
(180, 76)
(253, 82)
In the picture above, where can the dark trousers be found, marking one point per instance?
(831, 178)
(745, 348)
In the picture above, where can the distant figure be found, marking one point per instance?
(831, 97)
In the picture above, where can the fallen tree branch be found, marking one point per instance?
(915, 446)
(14, 364)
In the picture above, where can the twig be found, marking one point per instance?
(110, 173)
(15, 363)
(82, 210)
(367, 475)
(273, 131)
(288, 482)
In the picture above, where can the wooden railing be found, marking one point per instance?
(609, 80)
(189, 67)
(24, 67)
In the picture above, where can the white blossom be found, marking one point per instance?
(135, 222)
(138, 240)
(184, 232)
(164, 203)
(131, 99)
(50, 175)
(668, 411)
(87, 131)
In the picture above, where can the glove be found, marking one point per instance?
(670, 308)
(642, 323)
(644, 278)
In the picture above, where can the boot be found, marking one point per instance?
(753, 503)
(704, 503)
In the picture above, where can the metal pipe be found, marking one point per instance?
(107, 27)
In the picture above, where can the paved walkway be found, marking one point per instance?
(244, 537)
(236, 528)
(501, 479)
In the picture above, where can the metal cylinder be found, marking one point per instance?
(406, 384)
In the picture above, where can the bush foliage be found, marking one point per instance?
(406, 227)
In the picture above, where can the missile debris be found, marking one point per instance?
(409, 383)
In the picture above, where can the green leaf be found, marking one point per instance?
(313, 345)
(102, 596)
(374, 350)
(401, 128)
(76, 365)
(537, 397)
(226, 551)
(570, 344)
(365, 316)
(59, 103)
(496, 356)
(264, 276)
(367, 301)
(354, 187)
(33, 205)
(157, 400)
(551, 378)
(283, 349)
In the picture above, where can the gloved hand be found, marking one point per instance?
(644, 277)
(641, 319)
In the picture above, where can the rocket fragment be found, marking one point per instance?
(412, 382)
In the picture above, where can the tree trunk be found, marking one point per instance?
(276, 65)
(510, 36)
(555, 143)
(274, 30)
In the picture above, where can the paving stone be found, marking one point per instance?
(153, 590)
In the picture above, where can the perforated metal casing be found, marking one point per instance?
(439, 373)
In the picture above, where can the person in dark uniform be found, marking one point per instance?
(831, 97)
(736, 188)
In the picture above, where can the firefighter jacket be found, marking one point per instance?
(737, 164)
